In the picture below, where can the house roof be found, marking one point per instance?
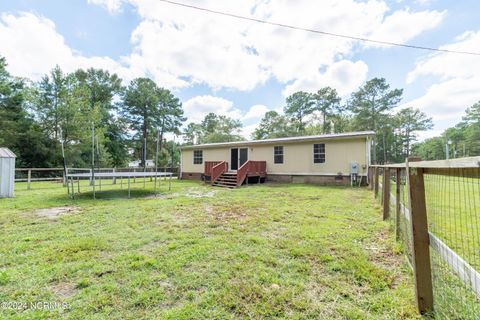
(6, 153)
(345, 135)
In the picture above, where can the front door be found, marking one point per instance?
(238, 157)
(234, 159)
(243, 156)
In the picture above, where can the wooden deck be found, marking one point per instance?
(218, 174)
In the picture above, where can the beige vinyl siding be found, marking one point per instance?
(297, 159)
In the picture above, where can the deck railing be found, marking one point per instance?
(218, 170)
(208, 166)
(257, 168)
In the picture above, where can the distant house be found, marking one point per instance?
(323, 159)
(138, 163)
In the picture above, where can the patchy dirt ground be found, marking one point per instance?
(55, 213)
(64, 289)
(190, 193)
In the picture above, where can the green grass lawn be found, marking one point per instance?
(263, 251)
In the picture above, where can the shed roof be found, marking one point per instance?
(6, 153)
(358, 134)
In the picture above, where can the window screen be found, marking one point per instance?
(197, 156)
(278, 154)
(319, 153)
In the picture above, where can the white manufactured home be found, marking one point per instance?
(323, 159)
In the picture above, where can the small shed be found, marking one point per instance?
(7, 172)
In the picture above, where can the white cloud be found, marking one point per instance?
(424, 2)
(248, 130)
(404, 25)
(180, 46)
(256, 112)
(113, 6)
(446, 65)
(198, 107)
(345, 76)
(458, 86)
(423, 135)
(32, 48)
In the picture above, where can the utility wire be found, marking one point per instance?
(331, 34)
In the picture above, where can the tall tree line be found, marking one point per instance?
(371, 107)
(36, 117)
(462, 140)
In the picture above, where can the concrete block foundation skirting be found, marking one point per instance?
(191, 176)
(313, 179)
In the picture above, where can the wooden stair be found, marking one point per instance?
(226, 180)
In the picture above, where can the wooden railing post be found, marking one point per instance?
(375, 192)
(420, 238)
(398, 202)
(386, 193)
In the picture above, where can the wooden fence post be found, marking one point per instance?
(397, 202)
(386, 193)
(29, 179)
(375, 192)
(420, 249)
(370, 178)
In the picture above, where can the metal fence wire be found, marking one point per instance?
(452, 202)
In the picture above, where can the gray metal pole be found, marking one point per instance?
(156, 162)
(63, 158)
(144, 160)
(73, 188)
(93, 159)
(129, 187)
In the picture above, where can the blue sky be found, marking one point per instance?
(242, 69)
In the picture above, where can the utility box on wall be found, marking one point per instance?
(354, 168)
(7, 173)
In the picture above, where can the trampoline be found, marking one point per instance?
(76, 177)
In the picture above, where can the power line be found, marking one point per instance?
(331, 34)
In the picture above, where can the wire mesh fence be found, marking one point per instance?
(452, 202)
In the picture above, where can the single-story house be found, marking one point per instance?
(323, 159)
